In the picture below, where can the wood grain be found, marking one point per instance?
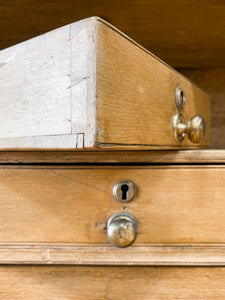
(67, 283)
(136, 101)
(72, 204)
(162, 27)
(128, 157)
(88, 86)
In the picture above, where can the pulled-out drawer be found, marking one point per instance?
(86, 85)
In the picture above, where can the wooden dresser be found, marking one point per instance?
(107, 189)
(54, 209)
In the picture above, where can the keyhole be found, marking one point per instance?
(124, 189)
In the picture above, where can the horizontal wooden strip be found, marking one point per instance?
(98, 283)
(151, 255)
(173, 157)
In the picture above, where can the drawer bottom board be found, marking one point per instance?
(80, 282)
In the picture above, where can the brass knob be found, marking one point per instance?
(122, 229)
(195, 128)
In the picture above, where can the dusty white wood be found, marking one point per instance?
(34, 84)
(66, 141)
(47, 90)
(83, 81)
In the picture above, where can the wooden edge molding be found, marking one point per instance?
(189, 156)
(146, 255)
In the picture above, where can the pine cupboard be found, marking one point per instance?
(93, 160)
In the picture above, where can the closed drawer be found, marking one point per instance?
(182, 204)
(67, 283)
(179, 209)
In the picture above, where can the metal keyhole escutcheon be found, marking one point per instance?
(124, 190)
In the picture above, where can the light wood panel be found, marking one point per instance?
(212, 81)
(67, 283)
(182, 204)
(135, 157)
(163, 27)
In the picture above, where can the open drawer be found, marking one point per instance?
(89, 86)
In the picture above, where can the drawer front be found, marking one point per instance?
(73, 204)
(67, 283)
(59, 214)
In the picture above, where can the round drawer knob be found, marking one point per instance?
(194, 129)
(122, 229)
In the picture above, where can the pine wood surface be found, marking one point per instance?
(67, 283)
(133, 109)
